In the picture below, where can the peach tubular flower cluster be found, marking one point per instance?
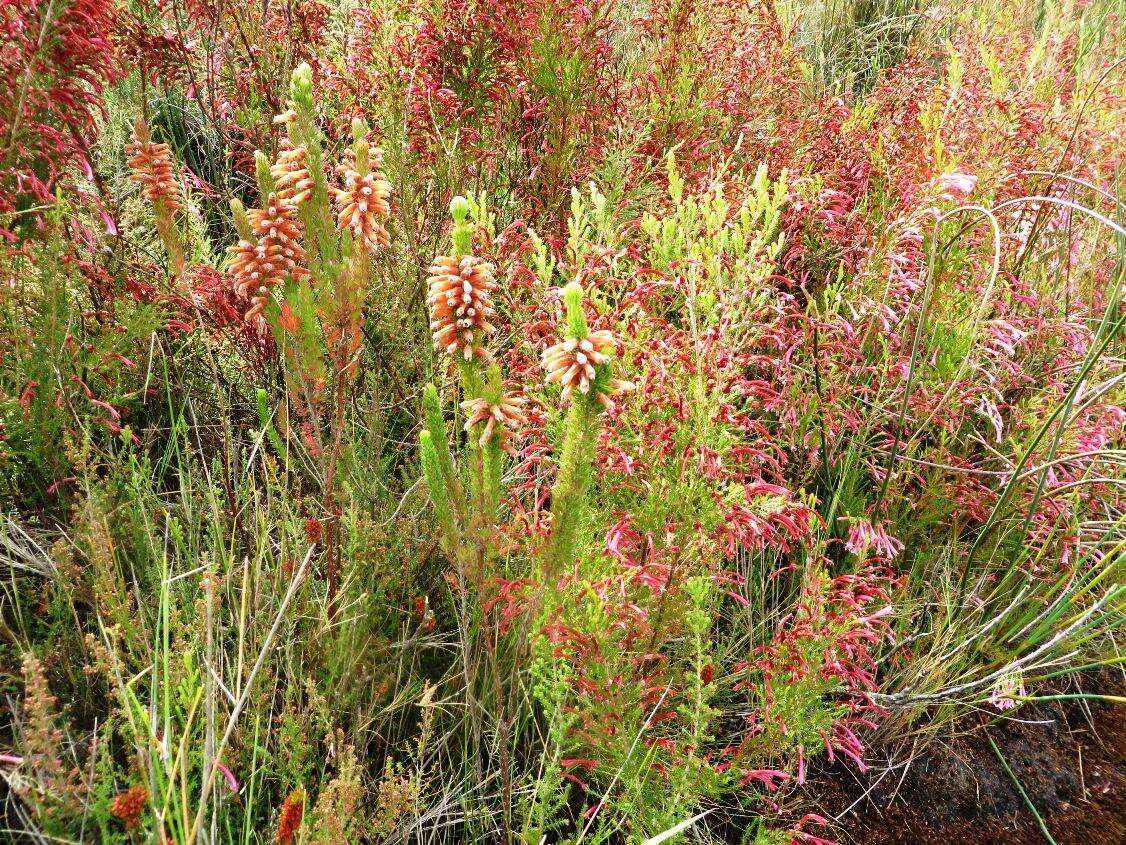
(460, 301)
(500, 418)
(363, 203)
(151, 164)
(260, 267)
(571, 364)
(128, 805)
(291, 174)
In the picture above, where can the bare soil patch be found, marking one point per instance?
(1070, 759)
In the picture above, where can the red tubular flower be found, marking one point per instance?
(57, 60)
(226, 307)
(313, 530)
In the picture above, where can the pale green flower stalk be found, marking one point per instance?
(581, 365)
(461, 334)
(436, 482)
(321, 234)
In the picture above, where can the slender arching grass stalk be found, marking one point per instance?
(1106, 333)
(916, 341)
(236, 712)
(979, 316)
(1075, 696)
(1008, 490)
(1020, 788)
(1087, 100)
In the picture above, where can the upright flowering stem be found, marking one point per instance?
(446, 475)
(459, 295)
(305, 260)
(322, 237)
(491, 420)
(152, 167)
(431, 450)
(362, 204)
(581, 365)
(466, 502)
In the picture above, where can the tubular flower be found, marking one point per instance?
(129, 805)
(152, 167)
(571, 363)
(461, 304)
(291, 174)
(500, 418)
(363, 202)
(259, 267)
(289, 816)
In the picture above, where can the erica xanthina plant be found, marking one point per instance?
(304, 259)
(581, 364)
(153, 168)
(468, 492)
(460, 300)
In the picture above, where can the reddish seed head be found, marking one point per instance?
(289, 816)
(128, 805)
(313, 529)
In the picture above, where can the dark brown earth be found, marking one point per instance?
(1070, 759)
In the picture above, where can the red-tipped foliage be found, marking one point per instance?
(56, 61)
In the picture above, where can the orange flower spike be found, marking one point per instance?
(500, 418)
(260, 267)
(573, 362)
(151, 164)
(364, 202)
(292, 179)
(289, 816)
(460, 301)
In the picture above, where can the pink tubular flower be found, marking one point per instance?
(956, 185)
(766, 777)
(864, 537)
(229, 776)
(1006, 691)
